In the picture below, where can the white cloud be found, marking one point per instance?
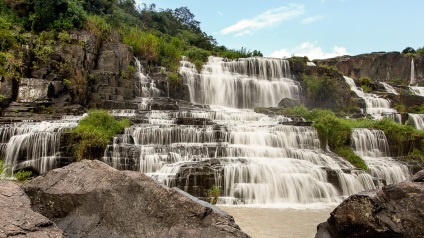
(311, 50)
(313, 19)
(268, 18)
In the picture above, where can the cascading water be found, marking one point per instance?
(253, 158)
(375, 106)
(146, 86)
(34, 144)
(413, 84)
(244, 83)
(373, 148)
(389, 89)
(416, 120)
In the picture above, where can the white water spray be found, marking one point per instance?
(373, 148)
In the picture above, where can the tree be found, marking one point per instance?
(59, 14)
(186, 18)
(408, 50)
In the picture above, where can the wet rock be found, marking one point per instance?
(287, 102)
(394, 211)
(17, 219)
(91, 199)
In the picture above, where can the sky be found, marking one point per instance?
(314, 28)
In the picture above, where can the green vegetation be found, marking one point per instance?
(159, 36)
(412, 52)
(320, 89)
(22, 175)
(365, 83)
(3, 167)
(212, 194)
(94, 133)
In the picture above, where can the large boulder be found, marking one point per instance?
(396, 210)
(17, 219)
(91, 199)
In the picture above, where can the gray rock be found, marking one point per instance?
(288, 102)
(91, 199)
(17, 219)
(396, 210)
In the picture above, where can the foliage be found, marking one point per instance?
(419, 109)
(67, 82)
(235, 54)
(328, 67)
(97, 25)
(170, 53)
(59, 14)
(95, 131)
(3, 167)
(320, 89)
(408, 50)
(212, 194)
(174, 78)
(128, 72)
(22, 175)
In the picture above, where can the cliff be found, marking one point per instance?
(391, 67)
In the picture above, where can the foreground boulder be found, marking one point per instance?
(396, 210)
(17, 219)
(91, 199)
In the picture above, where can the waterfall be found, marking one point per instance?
(374, 105)
(413, 84)
(34, 144)
(413, 80)
(252, 157)
(243, 83)
(389, 89)
(416, 120)
(373, 148)
(146, 86)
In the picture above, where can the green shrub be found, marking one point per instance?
(2, 167)
(419, 109)
(22, 175)
(321, 89)
(212, 194)
(170, 53)
(94, 133)
(59, 15)
(67, 82)
(97, 25)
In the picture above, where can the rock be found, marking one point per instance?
(287, 102)
(17, 219)
(394, 211)
(91, 199)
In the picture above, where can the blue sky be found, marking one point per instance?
(315, 28)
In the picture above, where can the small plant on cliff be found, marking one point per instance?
(22, 175)
(2, 168)
(212, 194)
(94, 132)
(365, 84)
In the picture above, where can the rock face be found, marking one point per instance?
(91, 199)
(394, 211)
(380, 67)
(17, 219)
